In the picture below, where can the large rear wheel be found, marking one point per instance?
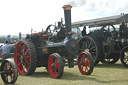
(25, 57)
(55, 65)
(92, 46)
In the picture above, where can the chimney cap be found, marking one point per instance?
(67, 7)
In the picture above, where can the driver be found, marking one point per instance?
(84, 31)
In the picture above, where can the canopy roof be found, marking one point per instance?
(102, 21)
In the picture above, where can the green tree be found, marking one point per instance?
(2, 39)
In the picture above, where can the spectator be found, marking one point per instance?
(84, 31)
(5, 50)
(9, 38)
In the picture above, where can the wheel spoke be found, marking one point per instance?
(86, 69)
(6, 66)
(126, 61)
(89, 46)
(27, 52)
(94, 56)
(23, 51)
(82, 66)
(93, 48)
(24, 68)
(83, 45)
(52, 61)
(93, 53)
(56, 60)
(27, 66)
(6, 78)
(82, 49)
(12, 77)
(27, 62)
(27, 57)
(86, 44)
(20, 63)
(55, 72)
(17, 55)
(56, 66)
(22, 48)
(19, 49)
(83, 58)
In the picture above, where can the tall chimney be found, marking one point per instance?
(67, 13)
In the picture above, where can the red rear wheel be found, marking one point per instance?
(55, 65)
(86, 63)
(25, 57)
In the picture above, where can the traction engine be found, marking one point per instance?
(53, 49)
(107, 40)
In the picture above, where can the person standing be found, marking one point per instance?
(9, 38)
(5, 50)
(84, 31)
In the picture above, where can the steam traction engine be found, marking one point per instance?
(53, 49)
(8, 71)
(107, 40)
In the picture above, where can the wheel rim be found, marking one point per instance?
(22, 58)
(54, 66)
(85, 63)
(124, 57)
(10, 76)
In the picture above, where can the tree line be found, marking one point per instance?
(2, 39)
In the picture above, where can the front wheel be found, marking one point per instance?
(86, 63)
(55, 65)
(10, 73)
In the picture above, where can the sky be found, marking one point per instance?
(22, 15)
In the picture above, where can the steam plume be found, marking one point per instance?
(77, 3)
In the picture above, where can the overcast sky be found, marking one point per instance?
(22, 15)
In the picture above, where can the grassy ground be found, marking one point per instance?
(103, 74)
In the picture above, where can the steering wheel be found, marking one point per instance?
(109, 28)
(49, 29)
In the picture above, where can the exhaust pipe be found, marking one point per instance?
(67, 13)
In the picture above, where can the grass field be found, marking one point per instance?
(103, 74)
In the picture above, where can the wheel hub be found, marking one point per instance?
(9, 70)
(22, 58)
(87, 50)
(85, 63)
(126, 55)
(52, 66)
